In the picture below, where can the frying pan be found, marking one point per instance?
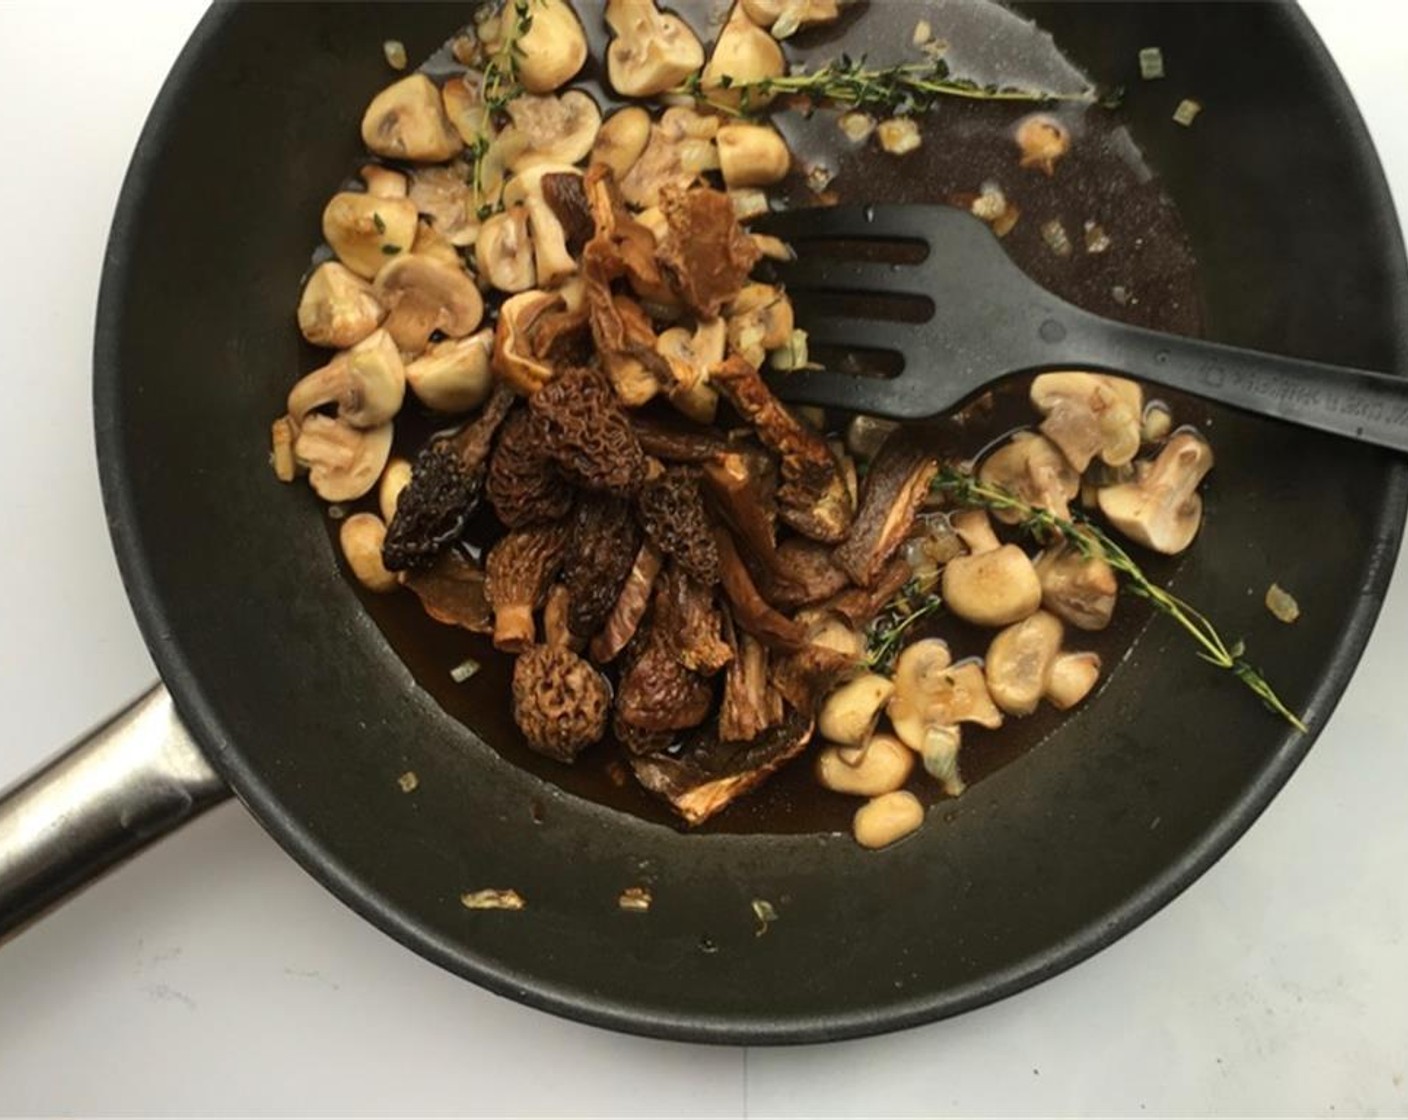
(295, 701)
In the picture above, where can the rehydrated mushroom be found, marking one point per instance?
(1019, 662)
(680, 149)
(517, 574)
(895, 488)
(1043, 140)
(849, 714)
(523, 486)
(343, 462)
(524, 337)
(690, 355)
(601, 550)
(552, 260)
(367, 384)
(552, 129)
(1072, 678)
(744, 54)
(445, 196)
(671, 510)
(651, 52)
(690, 623)
(585, 431)
(1162, 509)
(881, 765)
(425, 296)
(899, 135)
(365, 231)
(361, 537)
(994, 588)
(752, 155)
(707, 256)
(785, 17)
(760, 319)
(553, 49)
(1033, 468)
(451, 591)
(1089, 415)
(407, 120)
(503, 251)
(338, 308)
(560, 702)
(394, 478)
(1078, 589)
(626, 614)
(622, 140)
(454, 375)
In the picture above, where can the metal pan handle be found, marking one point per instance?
(120, 787)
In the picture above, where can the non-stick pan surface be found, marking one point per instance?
(305, 709)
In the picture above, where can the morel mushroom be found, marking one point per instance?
(671, 509)
(690, 624)
(560, 703)
(585, 432)
(518, 571)
(601, 549)
(658, 697)
(523, 486)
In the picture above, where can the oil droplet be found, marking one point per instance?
(708, 945)
(869, 213)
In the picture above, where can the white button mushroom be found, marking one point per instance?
(383, 182)
(1032, 468)
(553, 49)
(690, 355)
(932, 696)
(752, 155)
(338, 308)
(1162, 509)
(681, 148)
(760, 319)
(552, 262)
(1072, 677)
(454, 375)
(365, 231)
(882, 765)
(883, 820)
(394, 478)
(975, 530)
(503, 251)
(555, 130)
(850, 713)
(367, 384)
(652, 52)
(466, 111)
(444, 195)
(1080, 590)
(425, 296)
(407, 121)
(1019, 662)
(622, 139)
(343, 462)
(786, 17)
(361, 537)
(993, 588)
(744, 54)
(1089, 415)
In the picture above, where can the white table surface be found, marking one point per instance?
(213, 976)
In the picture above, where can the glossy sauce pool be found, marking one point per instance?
(1146, 275)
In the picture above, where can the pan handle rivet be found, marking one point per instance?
(1052, 331)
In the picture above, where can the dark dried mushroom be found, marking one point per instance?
(601, 549)
(690, 625)
(626, 614)
(444, 490)
(452, 591)
(583, 429)
(523, 486)
(750, 704)
(567, 198)
(671, 509)
(751, 611)
(519, 570)
(705, 253)
(658, 697)
(895, 488)
(560, 703)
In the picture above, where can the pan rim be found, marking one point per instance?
(578, 1003)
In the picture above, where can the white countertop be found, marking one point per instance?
(213, 976)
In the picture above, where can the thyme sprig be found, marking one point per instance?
(909, 87)
(1091, 541)
(499, 84)
(917, 600)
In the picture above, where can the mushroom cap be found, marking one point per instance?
(365, 231)
(383, 182)
(622, 139)
(1162, 509)
(504, 251)
(883, 764)
(560, 702)
(555, 129)
(343, 462)
(744, 53)
(1033, 468)
(801, 13)
(1071, 679)
(444, 195)
(1019, 662)
(993, 588)
(454, 375)
(850, 713)
(361, 537)
(514, 360)
(426, 295)
(554, 48)
(752, 155)
(338, 308)
(367, 384)
(407, 120)
(760, 318)
(651, 52)
(931, 691)
(1089, 415)
(974, 529)
(1080, 590)
(680, 148)
(466, 111)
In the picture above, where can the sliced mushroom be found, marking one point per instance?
(1072, 678)
(343, 462)
(406, 120)
(514, 359)
(1032, 468)
(383, 182)
(444, 195)
(759, 319)
(504, 251)
(454, 375)
(622, 140)
(1162, 509)
(551, 129)
(466, 111)
(552, 261)
(994, 588)
(361, 537)
(752, 155)
(1019, 662)
(425, 296)
(690, 355)
(680, 149)
(975, 530)
(365, 231)
(338, 308)
(882, 765)
(1090, 415)
(743, 55)
(1078, 589)
(850, 713)
(553, 49)
(785, 17)
(367, 384)
(652, 52)
(394, 478)
(929, 692)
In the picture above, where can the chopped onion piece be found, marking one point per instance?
(464, 670)
(748, 204)
(395, 52)
(491, 899)
(1096, 239)
(1187, 112)
(635, 900)
(793, 356)
(766, 914)
(856, 126)
(923, 32)
(899, 135)
(408, 781)
(1151, 63)
(1056, 237)
(1282, 603)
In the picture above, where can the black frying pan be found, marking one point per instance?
(299, 703)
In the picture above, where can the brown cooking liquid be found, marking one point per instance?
(1146, 276)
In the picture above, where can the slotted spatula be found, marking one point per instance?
(990, 320)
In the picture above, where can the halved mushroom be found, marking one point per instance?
(504, 251)
(759, 319)
(1032, 468)
(514, 360)
(426, 296)
(383, 182)
(752, 155)
(338, 308)
(551, 129)
(553, 49)
(361, 537)
(454, 375)
(1162, 509)
(744, 54)
(365, 231)
(1019, 662)
(1078, 589)
(552, 261)
(995, 588)
(466, 111)
(680, 149)
(394, 479)
(343, 462)
(406, 120)
(444, 195)
(1089, 415)
(690, 355)
(1072, 677)
(931, 696)
(975, 530)
(652, 52)
(850, 713)
(622, 139)
(883, 764)
(367, 384)
(785, 17)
